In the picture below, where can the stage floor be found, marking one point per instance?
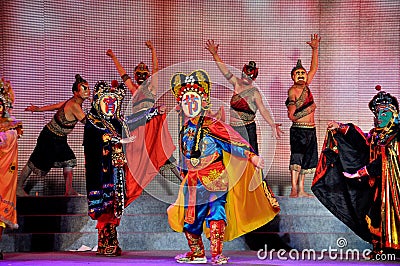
(167, 258)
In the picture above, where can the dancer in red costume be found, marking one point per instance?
(246, 100)
(151, 153)
(221, 193)
(10, 131)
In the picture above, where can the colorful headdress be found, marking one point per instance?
(103, 92)
(250, 70)
(197, 81)
(383, 99)
(298, 66)
(8, 122)
(6, 96)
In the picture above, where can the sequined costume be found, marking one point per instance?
(370, 204)
(303, 136)
(105, 165)
(52, 149)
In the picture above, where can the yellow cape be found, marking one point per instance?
(249, 204)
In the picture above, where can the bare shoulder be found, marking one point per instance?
(295, 89)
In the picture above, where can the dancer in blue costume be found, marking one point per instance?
(221, 193)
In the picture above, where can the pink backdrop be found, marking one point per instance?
(44, 44)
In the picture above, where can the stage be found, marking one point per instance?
(167, 258)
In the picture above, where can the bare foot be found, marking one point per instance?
(293, 193)
(304, 194)
(21, 192)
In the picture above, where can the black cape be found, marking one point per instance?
(348, 199)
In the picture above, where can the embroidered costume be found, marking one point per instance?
(220, 183)
(105, 165)
(370, 203)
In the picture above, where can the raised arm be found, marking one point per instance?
(213, 49)
(51, 107)
(314, 43)
(122, 72)
(154, 78)
(277, 132)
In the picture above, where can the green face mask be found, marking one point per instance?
(384, 116)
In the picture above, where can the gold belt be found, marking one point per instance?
(241, 123)
(303, 125)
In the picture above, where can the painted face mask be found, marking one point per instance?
(108, 105)
(141, 73)
(83, 90)
(192, 91)
(107, 100)
(191, 104)
(250, 71)
(300, 76)
(299, 73)
(384, 116)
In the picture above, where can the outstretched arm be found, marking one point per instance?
(122, 72)
(277, 132)
(51, 107)
(154, 78)
(213, 49)
(314, 43)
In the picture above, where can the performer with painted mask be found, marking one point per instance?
(358, 176)
(222, 177)
(148, 124)
(52, 149)
(303, 135)
(105, 164)
(246, 100)
(10, 131)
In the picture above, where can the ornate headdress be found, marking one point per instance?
(6, 96)
(103, 92)
(298, 66)
(197, 81)
(383, 99)
(250, 70)
(8, 122)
